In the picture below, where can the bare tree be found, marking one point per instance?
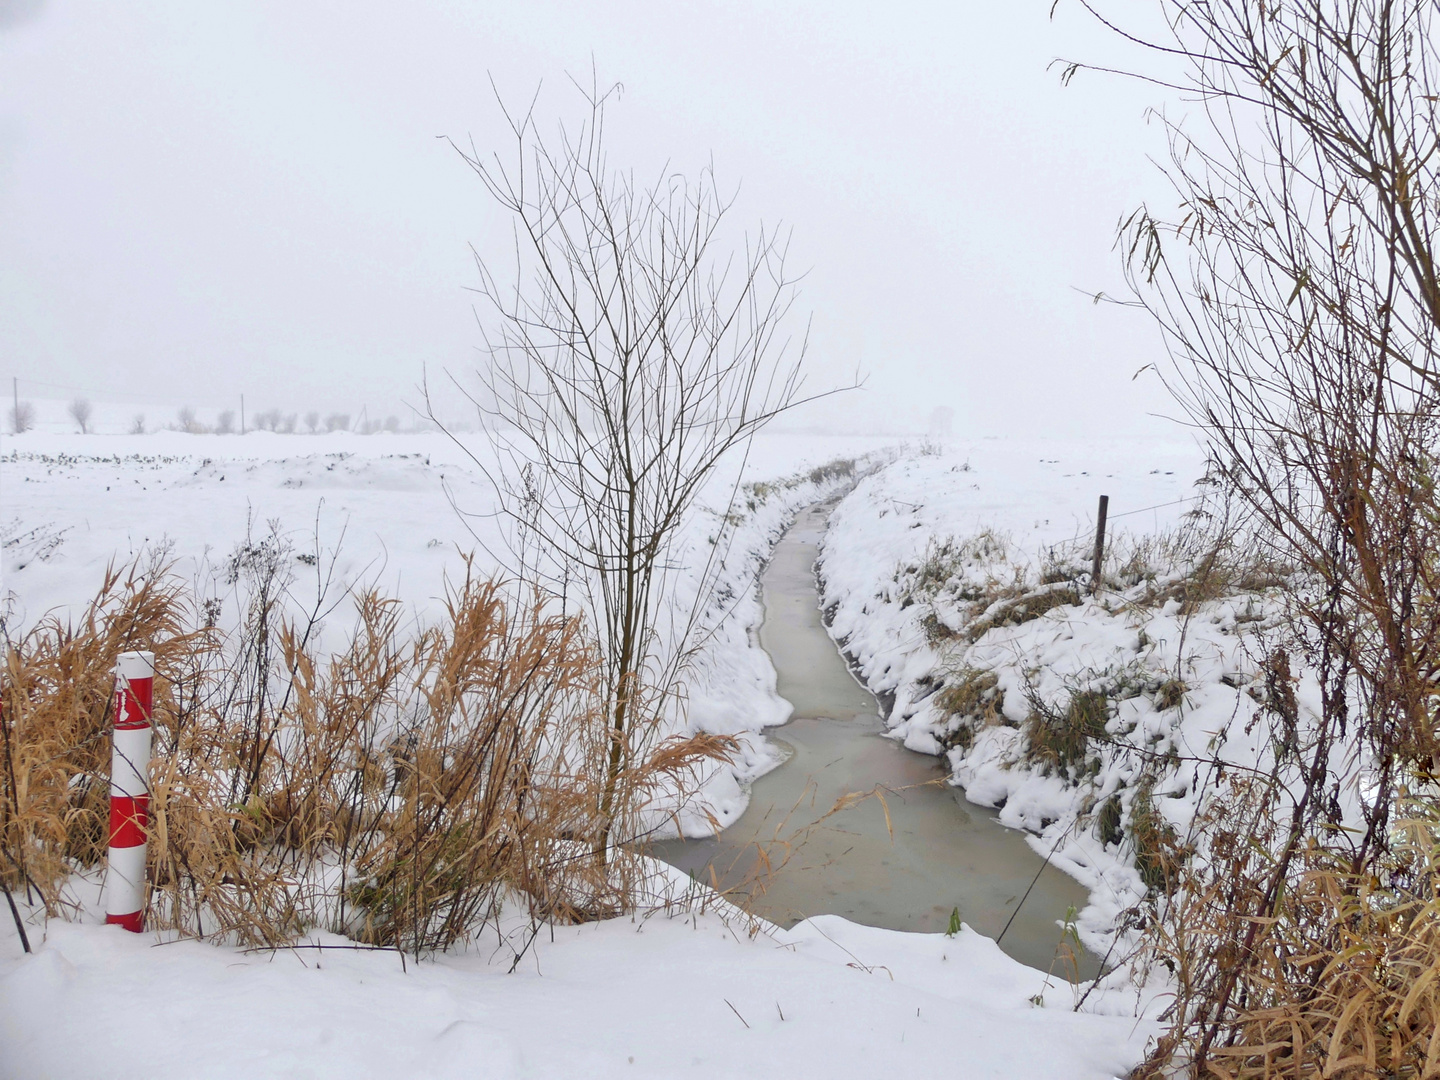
(1298, 289)
(312, 421)
(80, 412)
(137, 424)
(337, 422)
(22, 417)
(188, 421)
(631, 353)
(225, 422)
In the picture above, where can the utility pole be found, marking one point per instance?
(242, 414)
(15, 393)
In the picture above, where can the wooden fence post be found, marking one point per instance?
(1099, 543)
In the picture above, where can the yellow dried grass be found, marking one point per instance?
(399, 790)
(1342, 979)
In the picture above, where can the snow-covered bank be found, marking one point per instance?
(951, 580)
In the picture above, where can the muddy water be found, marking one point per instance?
(903, 858)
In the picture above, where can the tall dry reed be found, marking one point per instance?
(1339, 978)
(399, 790)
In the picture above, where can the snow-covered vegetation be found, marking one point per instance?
(1090, 720)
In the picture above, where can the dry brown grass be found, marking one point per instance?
(970, 700)
(1021, 607)
(1060, 740)
(399, 790)
(1340, 980)
(54, 735)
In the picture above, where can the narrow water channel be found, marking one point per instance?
(904, 858)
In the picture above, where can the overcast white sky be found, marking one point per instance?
(199, 200)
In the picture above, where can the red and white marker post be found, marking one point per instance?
(129, 791)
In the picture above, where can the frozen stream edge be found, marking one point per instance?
(903, 858)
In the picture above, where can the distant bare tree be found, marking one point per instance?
(80, 412)
(22, 417)
(288, 422)
(137, 424)
(188, 421)
(337, 422)
(632, 352)
(312, 421)
(392, 423)
(225, 422)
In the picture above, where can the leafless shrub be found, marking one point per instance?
(80, 411)
(1298, 287)
(137, 424)
(1340, 978)
(626, 359)
(337, 422)
(312, 422)
(225, 422)
(22, 417)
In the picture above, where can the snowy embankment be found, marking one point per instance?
(955, 581)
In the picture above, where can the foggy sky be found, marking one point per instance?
(204, 200)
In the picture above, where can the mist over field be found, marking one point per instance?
(200, 203)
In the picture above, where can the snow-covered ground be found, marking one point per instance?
(667, 994)
(662, 996)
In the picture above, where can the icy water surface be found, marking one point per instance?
(935, 853)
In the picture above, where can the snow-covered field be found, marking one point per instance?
(669, 994)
